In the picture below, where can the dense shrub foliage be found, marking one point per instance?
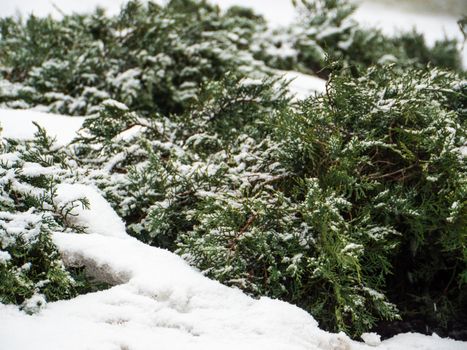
(391, 148)
(327, 32)
(31, 270)
(350, 204)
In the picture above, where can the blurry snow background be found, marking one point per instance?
(435, 18)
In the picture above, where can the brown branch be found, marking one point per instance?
(248, 223)
(242, 230)
(403, 170)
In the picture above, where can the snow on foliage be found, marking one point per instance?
(344, 197)
(159, 299)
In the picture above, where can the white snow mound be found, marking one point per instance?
(303, 85)
(100, 218)
(18, 124)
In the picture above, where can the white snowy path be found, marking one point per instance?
(159, 302)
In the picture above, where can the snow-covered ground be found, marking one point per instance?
(18, 124)
(303, 85)
(158, 301)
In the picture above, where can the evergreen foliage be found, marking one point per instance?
(327, 33)
(31, 269)
(390, 146)
(350, 204)
(151, 58)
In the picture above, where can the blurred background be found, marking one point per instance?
(454, 8)
(437, 19)
(449, 7)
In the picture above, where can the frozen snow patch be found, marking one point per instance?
(18, 124)
(371, 339)
(303, 85)
(34, 303)
(100, 218)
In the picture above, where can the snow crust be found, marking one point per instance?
(159, 301)
(18, 124)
